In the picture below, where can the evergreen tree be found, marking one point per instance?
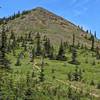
(29, 37)
(18, 62)
(41, 78)
(12, 35)
(92, 82)
(76, 75)
(74, 57)
(13, 43)
(33, 55)
(69, 93)
(61, 53)
(47, 47)
(28, 79)
(23, 43)
(51, 55)
(66, 45)
(9, 46)
(20, 56)
(73, 40)
(33, 74)
(38, 51)
(25, 47)
(97, 53)
(28, 94)
(95, 35)
(3, 42)
(92, 45)
(87, 31)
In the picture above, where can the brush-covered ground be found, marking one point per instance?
(22, 82)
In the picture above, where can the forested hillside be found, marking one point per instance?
(45, 57)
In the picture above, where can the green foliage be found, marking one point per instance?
(38, 50)
(76, 75)
(41, 77)
(37, 79)
(3, 42)
(93, 40)
(61, 53)
(74, 57)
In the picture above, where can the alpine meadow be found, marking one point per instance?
(45, 57)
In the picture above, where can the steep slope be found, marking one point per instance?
(45, 22)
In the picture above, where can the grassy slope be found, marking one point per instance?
(39, 20)
(92, 72)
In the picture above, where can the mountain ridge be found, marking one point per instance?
(55, 27)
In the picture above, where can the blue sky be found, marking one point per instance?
(81, 12)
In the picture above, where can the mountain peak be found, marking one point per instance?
(40, 8)
(46, 22)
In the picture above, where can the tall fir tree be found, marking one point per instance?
(97, 53)
(92, 44)
(51, 55)
(61, 53)
(33, 55)
(18, 61)
(73, 40)
(12, 36)
(38, 51)
(3, 42)
(95, 35)
(74, 57)
(47, 47)
(41, 77)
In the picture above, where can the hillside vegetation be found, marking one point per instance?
(45, 57)
(45, 22)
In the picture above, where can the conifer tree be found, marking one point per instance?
(20, 56)
(73, 40)
(76, 75)
(51, 55)
(92, 40)
(3, 42)
(13, 43)
(41, 78)
(9, 46)
(33, 55)
(69, 93)
(12, 35)
(74, 57)
(23, 43)
(61, 53)
(28, 94)
(18, 62)
(97, 53)
(47, 47)
(87, 31)
(29, 37)
(95, 35)
(38, 51)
